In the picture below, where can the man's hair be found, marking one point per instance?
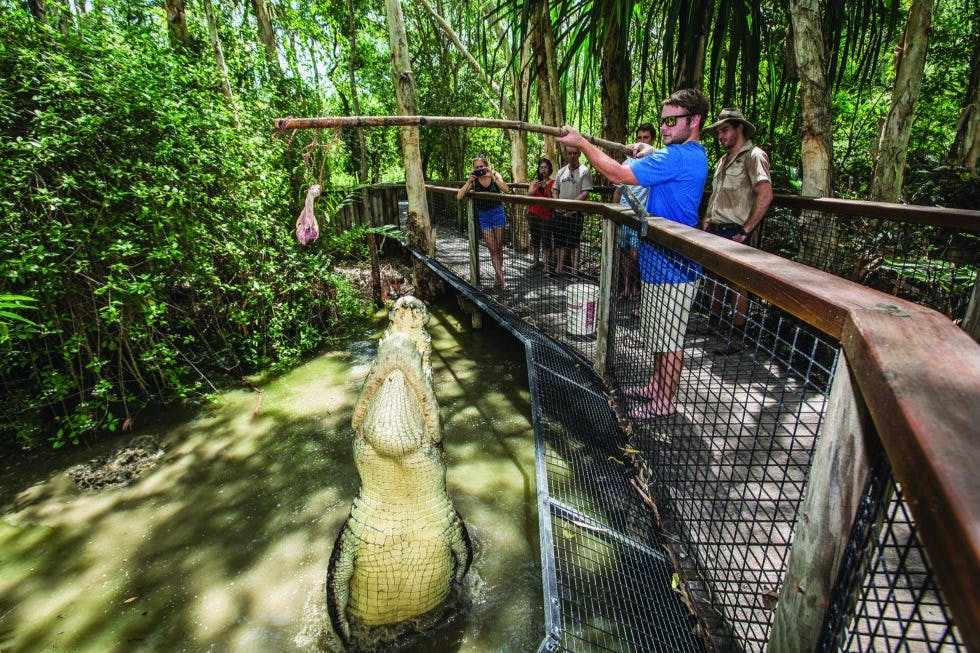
(692, 101)
(647, 127)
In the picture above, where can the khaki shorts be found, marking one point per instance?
(664, 311)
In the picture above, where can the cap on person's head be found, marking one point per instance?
(733, 116)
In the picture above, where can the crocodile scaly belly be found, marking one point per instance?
(405, 564)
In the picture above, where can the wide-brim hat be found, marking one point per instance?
(731, 115)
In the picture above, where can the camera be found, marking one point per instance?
(540, 177)
(479, 172)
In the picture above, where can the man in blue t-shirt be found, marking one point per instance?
(675, 175)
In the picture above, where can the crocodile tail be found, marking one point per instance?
(462, 548)
(337, 586)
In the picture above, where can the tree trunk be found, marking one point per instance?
(39, 10)
(520, 79)
(518, 138)
(420, 233)
(546, 69)
(311, 45)
(65, 20)
(893, 142)
(966, 146)
(219, 59)
(177, 24)
(364, 171)
(267, 36)
(615, 70)
(816, 127)
(819, 233)
(692, 39)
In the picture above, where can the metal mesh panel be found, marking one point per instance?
(729, 467)
(887, 598)
(726, 468)
(933, 266)
(613, 576)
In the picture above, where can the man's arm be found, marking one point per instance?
(607, 166)
(763, 198)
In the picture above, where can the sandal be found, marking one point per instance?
(639, 393)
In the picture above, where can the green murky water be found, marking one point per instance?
(223, 546)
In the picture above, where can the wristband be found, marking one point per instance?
(742, 231)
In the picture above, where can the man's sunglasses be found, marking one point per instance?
(670, 121)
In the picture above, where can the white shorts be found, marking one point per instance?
(664, 311)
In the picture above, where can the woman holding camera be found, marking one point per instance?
(484, 179)
(541, 218)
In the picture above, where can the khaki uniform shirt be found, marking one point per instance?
(569, 183)
(733, 187)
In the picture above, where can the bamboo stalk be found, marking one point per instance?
(327, 122)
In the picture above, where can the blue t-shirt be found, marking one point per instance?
(675, 175)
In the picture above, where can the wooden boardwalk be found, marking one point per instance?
(728, 469)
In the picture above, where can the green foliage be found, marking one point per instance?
(155, 236)
(10, 305)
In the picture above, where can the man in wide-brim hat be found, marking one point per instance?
(734, 117)
(741, 192)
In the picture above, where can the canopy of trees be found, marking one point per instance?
(148, 205)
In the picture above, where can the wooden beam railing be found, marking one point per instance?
(935, 216)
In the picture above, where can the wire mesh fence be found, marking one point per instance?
(728, 450)
(721, 398)
(887, 598)
(935, 266)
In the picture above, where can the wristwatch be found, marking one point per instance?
(742, 231)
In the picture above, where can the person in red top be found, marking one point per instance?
(540, 219)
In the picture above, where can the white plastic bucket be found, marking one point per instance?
(581, 300)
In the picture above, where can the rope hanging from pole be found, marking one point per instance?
(329, 122)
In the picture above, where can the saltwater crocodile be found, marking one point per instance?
(403, 548)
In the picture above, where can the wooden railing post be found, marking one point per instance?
(606, 288)
(971, 322)
(838, 474)
(474, 244)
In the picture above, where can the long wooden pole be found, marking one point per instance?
(328, 122)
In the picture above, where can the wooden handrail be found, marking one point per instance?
(918, 373)
(936, 216)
